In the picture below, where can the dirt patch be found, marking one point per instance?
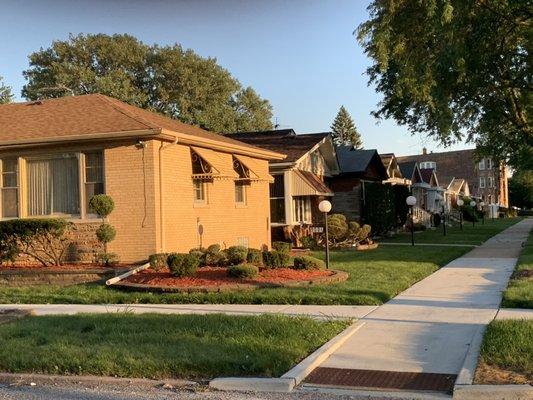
(523, 273)
(11, 315)
(216, 279)
(492, 375)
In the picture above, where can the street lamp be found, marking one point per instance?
(325, 207)
(460, 203)
(411, 201)
(473, 205)
(482, 205)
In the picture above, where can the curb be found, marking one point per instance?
(466, 375)
(493, 392)
(293, 377)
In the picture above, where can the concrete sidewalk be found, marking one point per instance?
(429, 327)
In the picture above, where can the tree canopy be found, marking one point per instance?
(6, 96)
(521, 189)
(455, 69)
(167, 79)
(344, 131)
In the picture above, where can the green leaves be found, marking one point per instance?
(6, 96)
(454, 70)
(166, 79)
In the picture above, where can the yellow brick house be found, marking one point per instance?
(175, 186)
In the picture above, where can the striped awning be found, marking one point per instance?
(305, 183)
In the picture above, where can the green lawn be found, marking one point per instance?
(375, 277)
(519, 293)
(508, 345)
(161, 346)
(474, 235)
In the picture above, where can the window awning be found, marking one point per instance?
(220, 168)
(305, 183)
(255, 168)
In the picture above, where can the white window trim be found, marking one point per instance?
(203, 186)
(481, 165)
(482, 182)
(244, 195)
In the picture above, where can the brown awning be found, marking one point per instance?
(305, 183)
(220, 169)
(255, 168)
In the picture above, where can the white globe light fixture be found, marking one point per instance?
(482, 205)
(325, 207)
(411, 201)
(460, 202)
(473, 203)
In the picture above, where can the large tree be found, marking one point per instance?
(168, 79)
(344, 131)
(6, 96)
(521, 189)
(455, 69)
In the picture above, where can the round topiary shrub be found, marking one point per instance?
(308, 263)
(243, 271)
(237, 254)
(102, 205)
(182, 264)
(213, 249)
(158, 261)
(283, 247)
(201, 254)
(105, 233)
(308, 242)
(276, 259)
(255, 256)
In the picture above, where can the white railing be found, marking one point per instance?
(421, 216)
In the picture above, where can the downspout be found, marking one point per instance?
(161, 204)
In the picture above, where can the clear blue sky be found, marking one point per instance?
(301, 55)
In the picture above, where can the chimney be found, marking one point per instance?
(424, 151)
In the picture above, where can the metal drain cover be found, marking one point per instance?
(364, 378)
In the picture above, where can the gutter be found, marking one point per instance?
(161, 203)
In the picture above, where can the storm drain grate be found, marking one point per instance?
(364, 378)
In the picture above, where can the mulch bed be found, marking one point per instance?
(216, 279)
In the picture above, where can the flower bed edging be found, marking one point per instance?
(337, 276)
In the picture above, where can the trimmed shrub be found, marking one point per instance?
(213, 249)
(436, 219)
(243, 271)
(379, 207)
(308, 263)
(237, 254)
(337, 227)
(309, 242)
(219, 259)
(283, 247)
(255, 256)
(158, 261)
(102, 204)
(200, 253)
(181, 264)
(44, 239)
(105, 233)
(276, 259)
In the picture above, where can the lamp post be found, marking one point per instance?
(411, 201)
(444, 220)
(460, 203)
(482, 205)
(325, 207)
(473, 205)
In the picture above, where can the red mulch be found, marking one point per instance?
(216, 276)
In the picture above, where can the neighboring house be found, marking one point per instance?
(175, 186)
(410, 170)
(456, 189)
(434, 194)
(356, 168)
(487, 181)
(298, 184)
(395, 176)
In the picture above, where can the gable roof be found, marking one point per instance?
(282, 140)
(450, 164)
(427, 174)
(357, 161)
(94, 115)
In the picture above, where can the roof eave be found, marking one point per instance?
(10, 144)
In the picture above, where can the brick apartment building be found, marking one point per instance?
(487, 180)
